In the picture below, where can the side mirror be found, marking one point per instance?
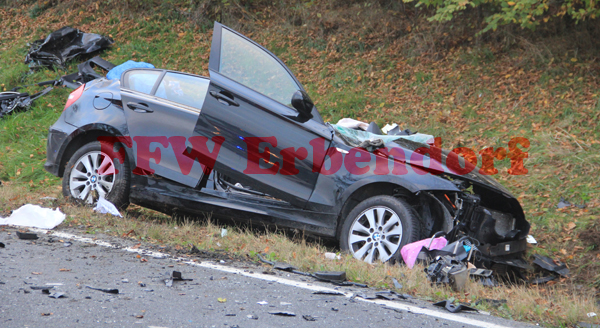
(302, 103)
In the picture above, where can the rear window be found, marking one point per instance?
(140, 80)
(183, 89)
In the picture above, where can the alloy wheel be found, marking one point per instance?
(375, 234)
(92, 177)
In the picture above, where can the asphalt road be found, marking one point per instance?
(214, 298)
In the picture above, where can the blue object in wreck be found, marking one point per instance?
(117, 71)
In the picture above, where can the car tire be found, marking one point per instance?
(378, 227)
(91, 174)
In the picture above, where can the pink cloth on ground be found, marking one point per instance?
(410, 251)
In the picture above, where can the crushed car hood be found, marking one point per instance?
(473, 176)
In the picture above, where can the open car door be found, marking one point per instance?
(266, 146)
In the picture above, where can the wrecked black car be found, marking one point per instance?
(248, 143)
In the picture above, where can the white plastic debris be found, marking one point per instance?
(591, 314)
(353, 124)
(388, 127)
(531, 240)
(332, 256)
(223, 232)
(34, 216)
(103, 206)
(262, 303)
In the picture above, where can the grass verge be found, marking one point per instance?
(547, 305)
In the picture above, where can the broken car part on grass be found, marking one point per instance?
(448, 305)
(551, 265)
(63, 45)
(56, 49)
(11, 101)
(264, 118)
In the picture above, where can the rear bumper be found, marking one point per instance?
(57, 139)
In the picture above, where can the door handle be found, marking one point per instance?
(224, 99)
(139, 107)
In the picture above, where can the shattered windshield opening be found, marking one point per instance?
(357, 137)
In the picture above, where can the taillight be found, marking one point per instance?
(74, 96)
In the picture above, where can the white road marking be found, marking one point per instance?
(283, 281)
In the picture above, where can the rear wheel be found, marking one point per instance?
(378, 227)
(91, 174)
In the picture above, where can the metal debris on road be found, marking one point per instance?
(27, 235)
(57, 295)
(328, 292)
(175, 276)
(104, 290)
(308, 317)
(283, 313)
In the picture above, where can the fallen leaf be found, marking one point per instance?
(222, 300)
(64, 270)
(571, 226)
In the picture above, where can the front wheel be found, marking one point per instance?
(378, 227)
(91, 174)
